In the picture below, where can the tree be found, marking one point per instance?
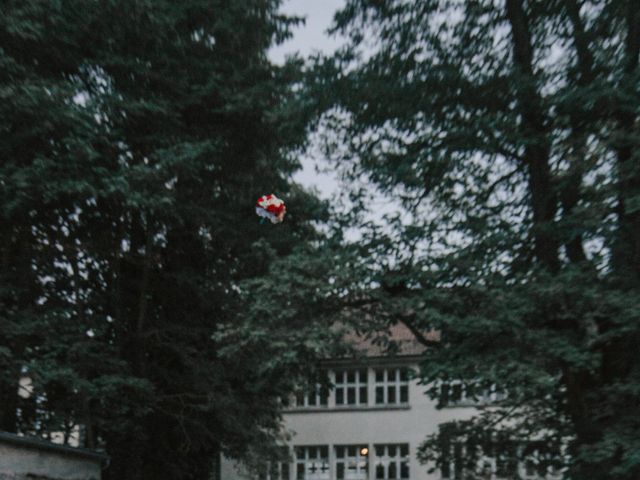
(507, 132)
(137, 136)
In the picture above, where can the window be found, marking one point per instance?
(275, 471)
(531, 469)
(352, 462)
(459, 394)
(392, 386)
(452, 461)
(499, 461)
(506, 464)
(316, 397)
(541, 462)
(351, 387)
(312, 463)
(392, 462)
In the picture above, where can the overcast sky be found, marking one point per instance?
(311, 36)
(307, 39)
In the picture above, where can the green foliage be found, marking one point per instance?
(507, 134)
(136, 137)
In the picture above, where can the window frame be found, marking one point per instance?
(386, 460)
(469, 395)
(311, 460)
(281, 468)
(319, 394)
(397, 384)
(361, 461)
(358, 385)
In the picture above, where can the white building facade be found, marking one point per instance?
(370, 424)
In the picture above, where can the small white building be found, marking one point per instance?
(32, 458)
(368, 426)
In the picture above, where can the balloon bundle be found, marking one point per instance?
(271, 208)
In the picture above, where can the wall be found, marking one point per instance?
(369, 425)
(22, 458)
(376, 425)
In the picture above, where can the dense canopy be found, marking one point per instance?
(135, 139)
(506, 134)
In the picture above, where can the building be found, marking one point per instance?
(368, 426)
(31, 458)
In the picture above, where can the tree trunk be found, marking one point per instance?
(626, 251)
(537, 149)
(570, 191)
(8, 402)
(8, 388)
(18, 294)
(143, 304)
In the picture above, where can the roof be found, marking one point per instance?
(394, 340)
(41, 444)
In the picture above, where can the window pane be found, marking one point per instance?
(380, 376)
(392, 470)
(404, 450)
(351, 395)
(340, 452)
(444, 394)
(391, 394)
(404, 394)
(404, 470)
(379, 394)
(469, 392)
(457, 455)
(313, 452)
(340, 377)
(351, 451)
(340, 396)
(530, 468)
(324, 395)
(363, 376)
(324, 452)
(380, 471)
(363, 394)
(392, 450)
(351, 377)
(445, 471)
(300, 471)
(456, 392)
(379, 451)
(312, 399)
(404, 374)
(340, 470)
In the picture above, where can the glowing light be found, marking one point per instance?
(364, 451)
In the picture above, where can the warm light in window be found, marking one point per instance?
(364, 451)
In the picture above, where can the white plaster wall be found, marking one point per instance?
(370, 426)
(367, 426)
